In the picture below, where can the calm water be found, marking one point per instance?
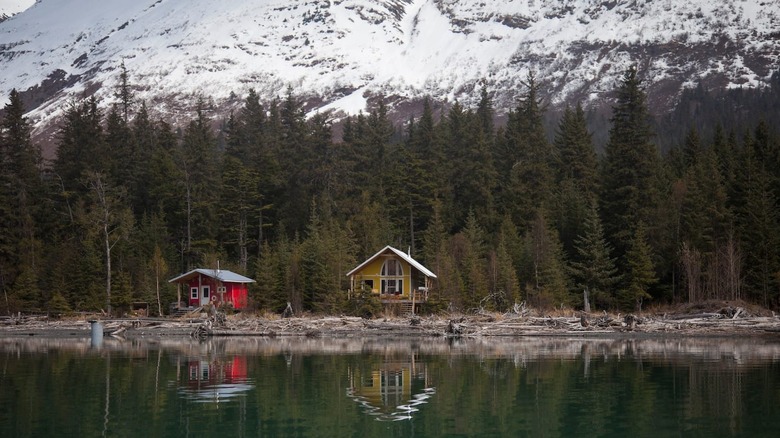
(368, 388)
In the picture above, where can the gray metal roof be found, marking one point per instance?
(221, 275)
(400, 254)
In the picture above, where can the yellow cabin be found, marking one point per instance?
(392, 275)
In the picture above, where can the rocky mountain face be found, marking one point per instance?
(341, 54)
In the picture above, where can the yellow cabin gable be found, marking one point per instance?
(392, 275)
(371, 276)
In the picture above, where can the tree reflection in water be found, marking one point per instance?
(375, 387)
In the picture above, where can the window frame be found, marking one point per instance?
(391, 277)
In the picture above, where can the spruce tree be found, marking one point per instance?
(485, 115)
(373, 149)
(544, 269)
(198, 162)
(81, 146)
(473, 266)
(760, 231)
(270, 294)
(22, 207)
(146, 144)
(122, 169)
(527, 159)
(593, 268)
(238, 209)
(576, 156)
(640, 275)
(504, 285)
(416, 179)
(630, 171)
(124, 92)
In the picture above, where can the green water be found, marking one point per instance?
(254, 387)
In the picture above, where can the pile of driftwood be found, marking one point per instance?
(495, 325)
(519, 322)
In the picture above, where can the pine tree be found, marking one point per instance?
(576, 155)
(543, 271)
(197, 159)
(593, 268)
(473, 265)
(760, 222)
(485, 115)
(121, 150)
(472, 177)
(314, 278)
(629, 191)
(576, 169)
(706, 218)
(297, 160)
(435, 236)
(81, 147)
(238, 208)
(418, 178)
(124, 92)
(504, 285)
(641, 273)
(371, 226)
(146, 146)
(692, 148)
(22, 206)
(527, 159)
(270, 294)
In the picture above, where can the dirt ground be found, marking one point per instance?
(705, 319)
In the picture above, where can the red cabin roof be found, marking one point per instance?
(222, 275)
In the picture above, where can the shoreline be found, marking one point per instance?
(452, 326)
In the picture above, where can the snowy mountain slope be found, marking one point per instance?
(11, 7)
(341, 52)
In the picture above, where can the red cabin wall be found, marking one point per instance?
(235, 293)
(204, 281)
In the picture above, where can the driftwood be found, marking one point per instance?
(288, 311)
(520, 321)
(694, 316)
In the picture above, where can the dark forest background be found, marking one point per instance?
(681, 208)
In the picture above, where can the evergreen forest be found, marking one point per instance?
(502, 214)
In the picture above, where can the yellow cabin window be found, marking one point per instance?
(392, 277)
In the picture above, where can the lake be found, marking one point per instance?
(264, 387)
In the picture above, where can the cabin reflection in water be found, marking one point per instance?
(393, 390)
(214, 379)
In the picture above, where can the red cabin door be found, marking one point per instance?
(205, 295)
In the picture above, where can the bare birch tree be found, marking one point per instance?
(108, 215)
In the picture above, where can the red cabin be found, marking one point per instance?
(214, 286)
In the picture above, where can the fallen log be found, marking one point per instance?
(693, 316)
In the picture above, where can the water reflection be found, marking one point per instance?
(215, 379)
(439, 387)
(728, 351)
(392, 390)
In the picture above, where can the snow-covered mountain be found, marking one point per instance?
(11, 7)
(341, 53)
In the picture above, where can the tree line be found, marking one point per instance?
(502, 214)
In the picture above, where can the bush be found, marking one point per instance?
(364, 304)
